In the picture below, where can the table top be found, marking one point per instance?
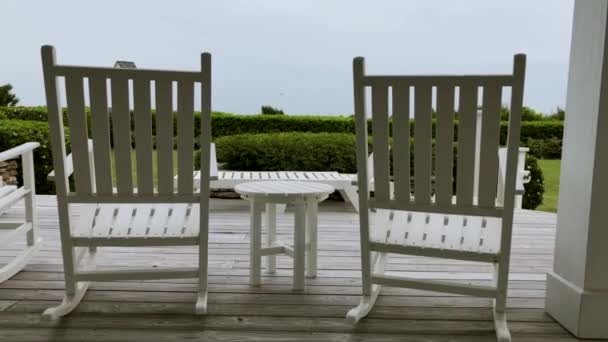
(283, 188)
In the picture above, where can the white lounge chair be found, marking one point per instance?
(341, 182)
(346, 183)
(11, 230)
(129, 213)
(474, 227)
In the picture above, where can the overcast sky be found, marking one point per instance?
(296, 55)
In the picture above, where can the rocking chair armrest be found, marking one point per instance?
(69, 169)
(69, 164)
(18, 151)
(213, 172)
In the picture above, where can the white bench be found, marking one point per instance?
(346, 184)
(341, 182)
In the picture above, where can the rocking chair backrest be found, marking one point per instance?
(112, 129)
(433, 150)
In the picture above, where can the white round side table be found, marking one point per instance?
(305, 196)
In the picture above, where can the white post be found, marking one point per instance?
(577, 288)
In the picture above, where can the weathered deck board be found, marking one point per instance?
(163, 309)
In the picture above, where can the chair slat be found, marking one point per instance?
(121, 133)
(453, 231)
(401, 142)
(78, 134)
(164, 136)
(471, 233)
(437, 235)
(444, 159)
(100, 132)
(143, 219)
(176, 222)
(418, 226)
(488, 155)
(467, 124)
(143, 136)
(422, 144)
(380, 142)
(185, 136)
(124, 215)
(158, 223)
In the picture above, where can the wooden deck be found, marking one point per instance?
(163, 310)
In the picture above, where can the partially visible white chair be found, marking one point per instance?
(11, 230)
(129, 212)
(473, 225)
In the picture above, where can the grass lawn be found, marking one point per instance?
(134, 166)
(551, 170)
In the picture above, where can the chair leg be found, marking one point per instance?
(499, 305)
(17, 264)
(370, 294)
(201, 300)
(500, 324)
(365, 305)
(69, 303)
(351, 195)
(74, 292)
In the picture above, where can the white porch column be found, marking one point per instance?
(577, 288)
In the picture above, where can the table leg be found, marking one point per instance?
(299, 246)
(311, 238)
(271, 223)
(255, 235)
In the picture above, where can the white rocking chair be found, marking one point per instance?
(129, 213)
(11, 230)
(468, 226)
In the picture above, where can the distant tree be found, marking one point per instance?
(7, 98)
(560, 114)
(527, 114)
(271, 110)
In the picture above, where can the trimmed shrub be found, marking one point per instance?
(288, 152)
(550, 148)
(535, 129)
(533, 197)
(16, 132)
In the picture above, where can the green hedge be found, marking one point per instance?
(254, 152)
(224, 124)
(288, 152)
(17, 132)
